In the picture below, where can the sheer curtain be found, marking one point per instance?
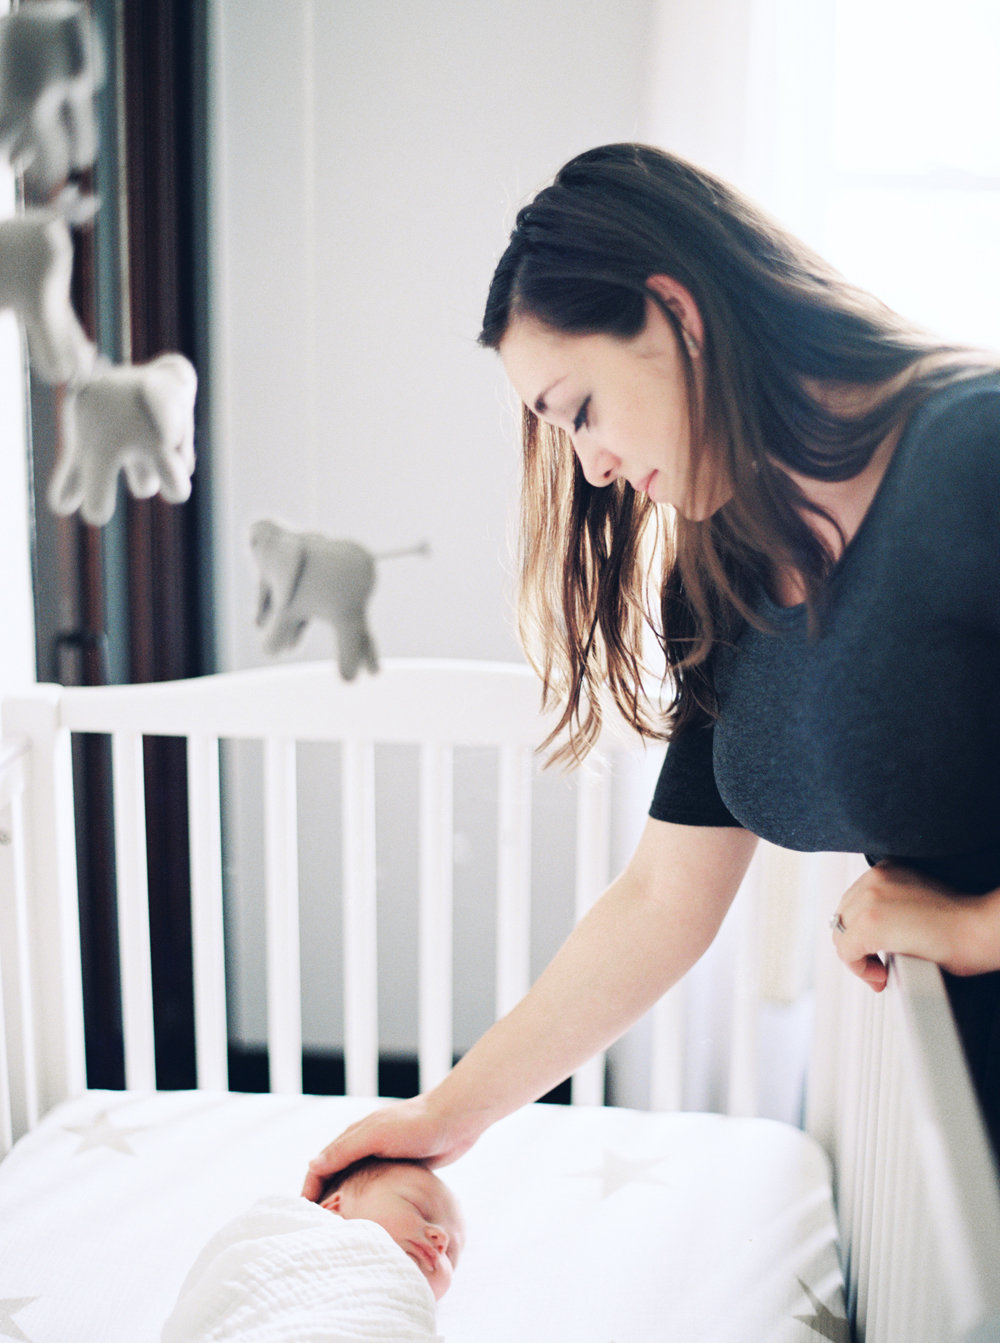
(871, 128)
(745, 88)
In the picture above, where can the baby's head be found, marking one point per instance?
(419, 1212)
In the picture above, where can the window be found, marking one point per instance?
(913, 211)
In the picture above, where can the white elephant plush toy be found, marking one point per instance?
(135, 418)
(36, 266)
(306, 576)
(51, 62)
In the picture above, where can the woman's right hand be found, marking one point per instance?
(411, 1128)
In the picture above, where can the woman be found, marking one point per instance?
(828, 604)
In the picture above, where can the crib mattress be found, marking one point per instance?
(590, 1225)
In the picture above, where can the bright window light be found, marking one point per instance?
(914, 204)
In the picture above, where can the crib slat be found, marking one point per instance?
(878, 1254)
(905, 1193)
(207, 931)
(9, 921)
(435, 942)
(593, 860)
(864, 1168)
(24, 983)
(926, 1274)
(887, 1229)
(281, 861)
(744, 1018)
(852, 1063)
(860, 1239)
(133, 909)
(6, 1097)
(360, 920)
(513, 878)
(18, 1072)
(51, 879)
(954, 1152)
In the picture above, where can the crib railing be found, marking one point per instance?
(40, 971)
(437, 707)
(915, 1179)
(889, 1095)
(18, 1090)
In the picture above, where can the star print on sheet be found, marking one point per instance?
(618, 1171)
(823, 1321)
(10, 1307)
(100, 1132)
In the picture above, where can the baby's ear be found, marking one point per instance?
(332, 1201)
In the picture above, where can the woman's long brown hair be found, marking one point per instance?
(780, 326)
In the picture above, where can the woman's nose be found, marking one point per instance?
(599, 466)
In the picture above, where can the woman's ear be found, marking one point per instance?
(682, 305)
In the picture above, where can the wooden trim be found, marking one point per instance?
(156, 43)
(157, 40)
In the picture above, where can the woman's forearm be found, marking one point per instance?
(645, 931)
(643, 934)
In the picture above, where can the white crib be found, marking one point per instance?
(888, 1095)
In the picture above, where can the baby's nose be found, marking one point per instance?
(438, 1237)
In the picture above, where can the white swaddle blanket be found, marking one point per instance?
(289, 1271)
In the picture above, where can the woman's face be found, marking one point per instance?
(624, 405)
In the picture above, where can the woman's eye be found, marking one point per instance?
(581, 416)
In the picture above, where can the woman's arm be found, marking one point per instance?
(891, 908)
(645, 932)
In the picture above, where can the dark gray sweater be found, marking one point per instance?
(881, 735)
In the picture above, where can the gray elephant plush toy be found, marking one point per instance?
(306, 576)
(51, 62)
(36, 266)
(135, 418)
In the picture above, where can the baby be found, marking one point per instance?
(369, 1261)
(417, 1209)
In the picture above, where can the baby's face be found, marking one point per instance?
(419, 1212)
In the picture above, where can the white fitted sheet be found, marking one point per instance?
(590, 1225)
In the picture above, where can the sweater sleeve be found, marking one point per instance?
(685, 791)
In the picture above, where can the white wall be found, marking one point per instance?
(368, 160)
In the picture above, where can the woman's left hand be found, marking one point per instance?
(891, 908)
